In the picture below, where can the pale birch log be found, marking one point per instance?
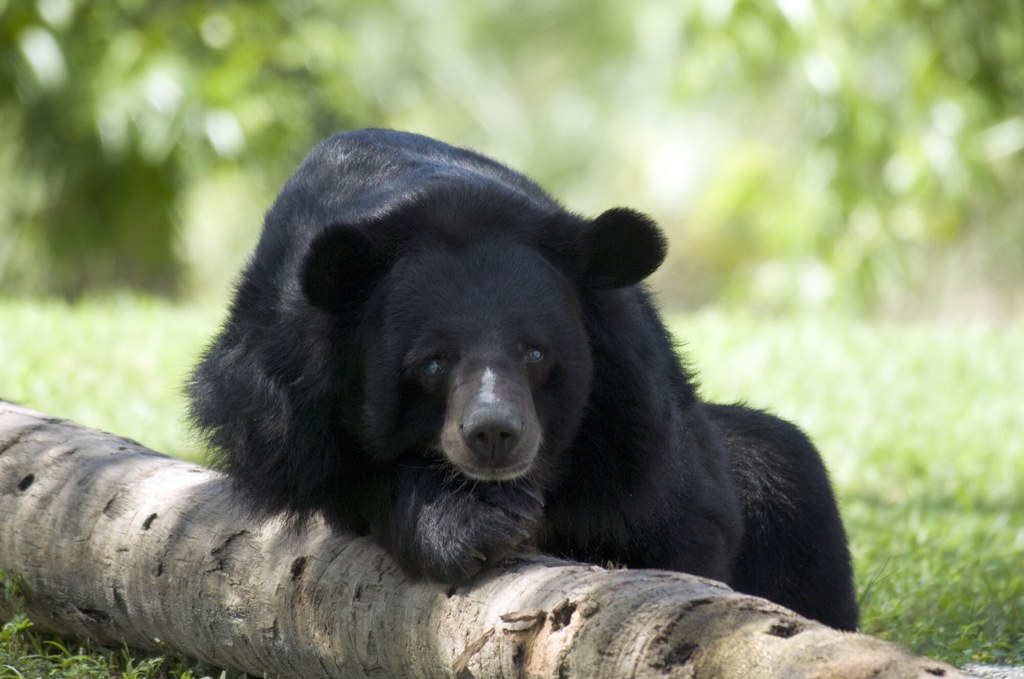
(115, 542)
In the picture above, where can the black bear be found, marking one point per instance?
(428, 348)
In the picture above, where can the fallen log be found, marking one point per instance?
(112, 541)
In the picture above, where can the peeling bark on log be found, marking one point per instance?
(115, 542)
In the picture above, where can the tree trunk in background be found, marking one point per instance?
(126, 546)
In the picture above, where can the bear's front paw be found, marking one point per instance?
(465, 531)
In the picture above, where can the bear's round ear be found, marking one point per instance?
(622, 247)
(340, 267)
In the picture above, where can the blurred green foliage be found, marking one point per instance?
(801, 154)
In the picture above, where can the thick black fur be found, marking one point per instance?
(404, 291)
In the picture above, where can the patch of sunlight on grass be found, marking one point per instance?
(117, 364)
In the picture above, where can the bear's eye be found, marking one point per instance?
(533, 355)
(433, 367)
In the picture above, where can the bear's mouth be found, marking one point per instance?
(492, 474)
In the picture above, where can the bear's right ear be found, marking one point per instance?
(341, 266)
(622, 247)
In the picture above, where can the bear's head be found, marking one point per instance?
(472, 323)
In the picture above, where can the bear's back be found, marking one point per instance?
(360, 176)
(356, 176)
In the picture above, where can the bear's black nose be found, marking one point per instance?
(492, 432)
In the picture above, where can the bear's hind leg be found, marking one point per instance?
(794, 550)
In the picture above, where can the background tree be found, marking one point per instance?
(864, 155)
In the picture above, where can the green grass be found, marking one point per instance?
(922, 427)
(119, 365)
(25, 654)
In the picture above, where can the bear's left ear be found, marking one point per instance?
(622, 247)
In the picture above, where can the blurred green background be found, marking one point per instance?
(857, 156)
